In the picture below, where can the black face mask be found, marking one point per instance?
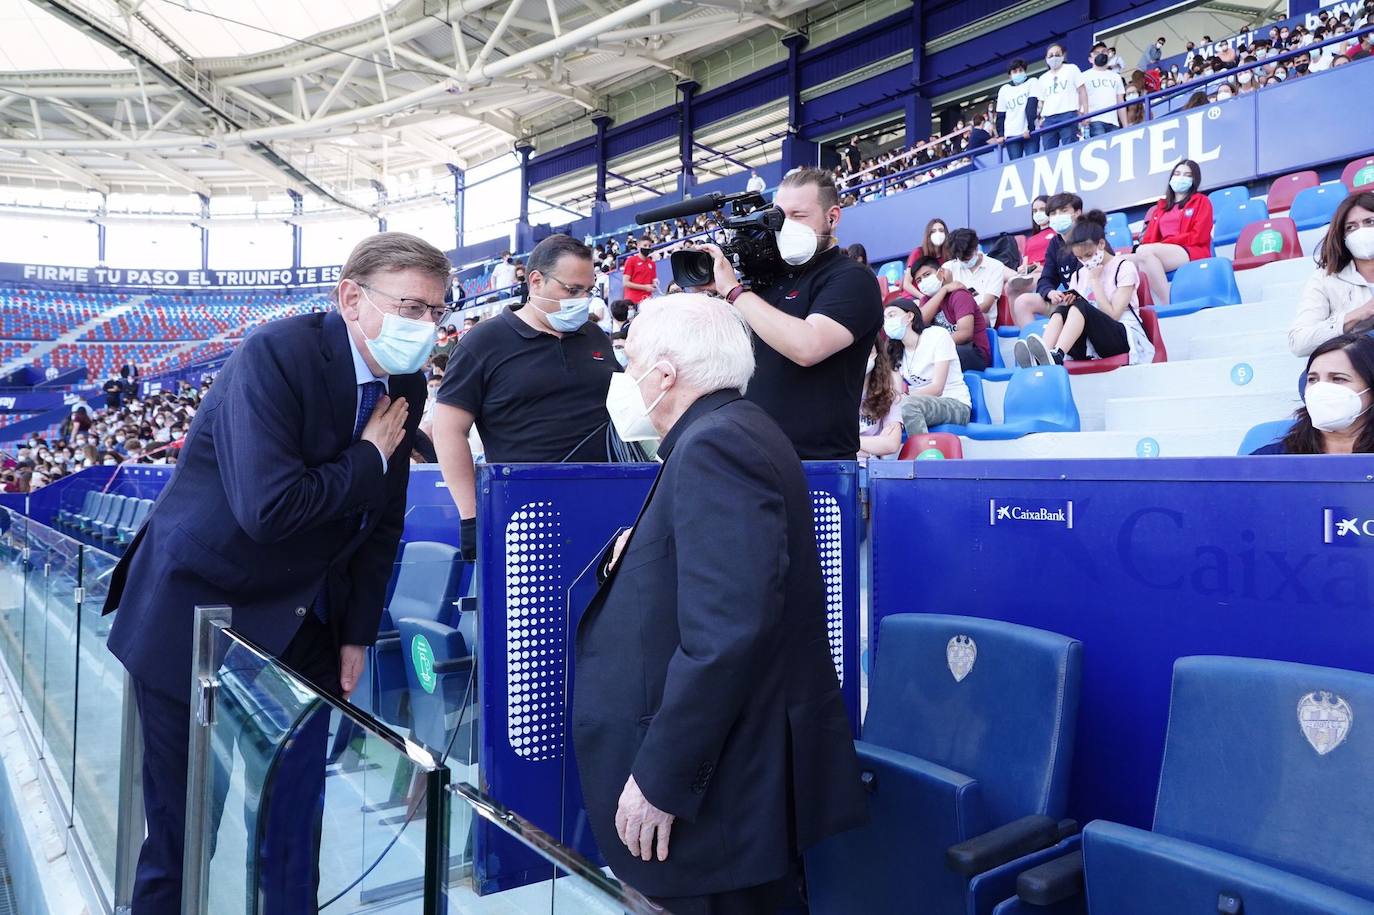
(643, 252)
(1100, 60)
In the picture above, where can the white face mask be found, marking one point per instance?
(1040, 217)
(1055, 61)
(403, 344)
(797, 242)
(929, 285)
(937, 238)
(625, 403)
(895, 328)
(1333, 407)
(1360, 243)
(1095, 261)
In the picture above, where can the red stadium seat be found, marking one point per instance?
(1005, 317)
(1283, 190)
(882, 286)
(946, 444)
(1265, 242)
(1150, 321)
(1359, 174)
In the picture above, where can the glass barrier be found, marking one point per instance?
(14, 570)
(305, 803)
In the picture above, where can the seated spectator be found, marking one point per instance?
(1339, 297)
(1059, 265)
(1099, 319)
(620, 314)
(973, 270)
(947, 304)
(935, 243)
(880, 410)
(928, 363)
(1040, 233)
(1178, 229)
(618, 346)
(858, 252)
(1334, 418)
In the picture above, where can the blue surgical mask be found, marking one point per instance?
(571, 313)
(1181, 184)
(1061, 222)
(404, 343)
(1018, 78)
(895, 328)
(972, 262)
(621, 358)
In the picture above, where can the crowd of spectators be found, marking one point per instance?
(125, 429)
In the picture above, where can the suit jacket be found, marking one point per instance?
(703, 665)
(271, 502)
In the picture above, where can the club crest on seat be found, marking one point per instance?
(960, 654)
(1325, 719)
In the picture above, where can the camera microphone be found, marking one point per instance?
(689, 207)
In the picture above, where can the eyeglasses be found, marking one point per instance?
(574, 291)
(414, 309)
(1366, 223)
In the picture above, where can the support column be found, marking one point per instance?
(297, 208)
(918, 113)
(796, 152)
(600, 205)
(459, 192)
(381, 204)
(204, 232)
(524, 234)
(686, 134)
(100, 232)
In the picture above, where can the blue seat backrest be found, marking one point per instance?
(1119, 232)
(1264, 434)
(89, 503)
(1041, 392)
(1316, 205)
(1244, 769)
(113, 506)
(1229, 220)
(1211, 279)
(892, 270)
(1034, 327)
(1224, 195)
(126, 512)
(426, 583)
(995, 350)
(1009, 722)
(978, 404)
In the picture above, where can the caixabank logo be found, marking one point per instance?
(1031, 511)
(1342, 527)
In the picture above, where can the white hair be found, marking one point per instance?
(702, 337)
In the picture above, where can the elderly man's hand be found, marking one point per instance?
(637, 822)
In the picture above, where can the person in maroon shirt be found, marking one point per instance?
(956, 311)
(641, 275)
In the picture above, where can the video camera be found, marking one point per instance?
(750, 241)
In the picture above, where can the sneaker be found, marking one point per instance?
(1057, 356)
(1039, 352)
(1022, 354)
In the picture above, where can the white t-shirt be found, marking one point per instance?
(919, 364)
(985, 279)
(1011, 100)
(503, 275)
(1104, 88)
(756, 184)
(1057, 90)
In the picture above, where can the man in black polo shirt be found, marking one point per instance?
(814, 327)
(533, 380)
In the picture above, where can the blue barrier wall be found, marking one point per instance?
(1145, 562)
(540, 527)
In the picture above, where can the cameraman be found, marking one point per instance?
(814, 325)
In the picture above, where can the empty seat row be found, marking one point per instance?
(1264, 799)
(106, 517)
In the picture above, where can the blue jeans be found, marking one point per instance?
(1016, 148)
(1063, 135)
(1098, 128)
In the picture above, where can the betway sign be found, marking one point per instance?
(1125, 156)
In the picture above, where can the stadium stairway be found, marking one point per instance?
(1229, 368)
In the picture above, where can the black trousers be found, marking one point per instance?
(1107, 335)
(971, 358)
(767, 899)
(165, 721)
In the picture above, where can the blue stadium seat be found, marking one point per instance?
(1231, 218)
(1119, 232)
(105, 503)
(966, 751)
(892, 272)
(438, 662)
(1226, 196)
(1200, 284)
(429, 579)
(1038, 399)
(978, 405)
(1264, 434)
(999, 370)
(1315, 206)
(69, 517)
(127, 530)
(1265, 799)
(108, 530)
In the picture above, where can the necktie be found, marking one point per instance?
(367, 403)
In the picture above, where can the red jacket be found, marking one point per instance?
(1194, 234)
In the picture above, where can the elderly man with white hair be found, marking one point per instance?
(709, 730)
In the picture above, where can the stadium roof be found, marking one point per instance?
(323, 97)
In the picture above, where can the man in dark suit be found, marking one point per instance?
(287, 505)
(718, 748)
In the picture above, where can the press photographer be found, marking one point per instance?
(814, 320)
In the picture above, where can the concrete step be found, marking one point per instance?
(1240, 345)
(1261, 282)
(1150, 416)
(1167, 443)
